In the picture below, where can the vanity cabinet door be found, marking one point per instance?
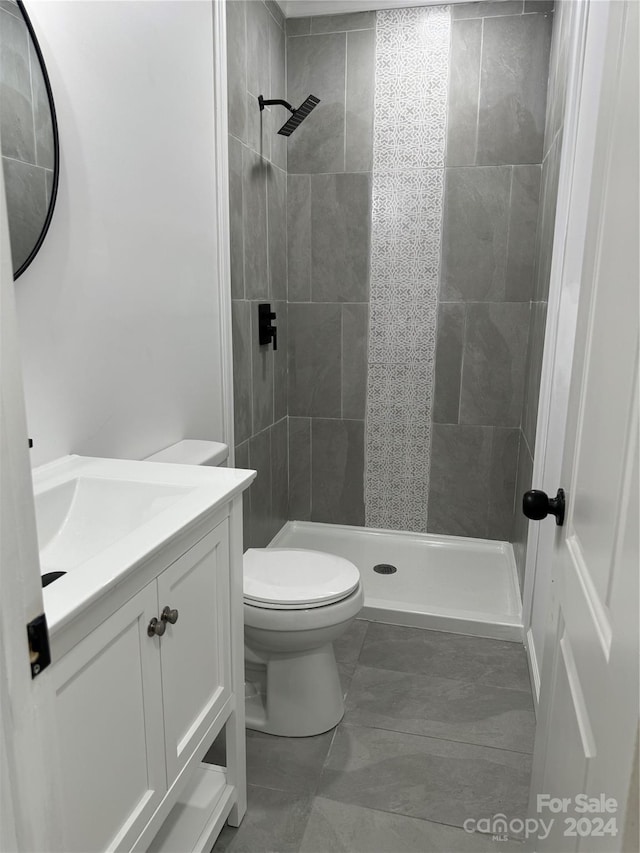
(195, 651)
(109, 714)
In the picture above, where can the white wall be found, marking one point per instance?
(119, 312)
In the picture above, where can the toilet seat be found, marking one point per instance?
(296, 578)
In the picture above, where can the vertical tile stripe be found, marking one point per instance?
(410, 112)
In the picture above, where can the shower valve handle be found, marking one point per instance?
(267, 332)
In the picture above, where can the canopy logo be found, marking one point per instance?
(575, 822)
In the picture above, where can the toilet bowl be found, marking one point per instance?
(296, 603)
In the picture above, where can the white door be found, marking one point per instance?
(28, 756)
(196, 676)
(588, 717)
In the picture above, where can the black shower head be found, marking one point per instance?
(297, 116)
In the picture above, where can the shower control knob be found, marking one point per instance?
(169, 615)
(156, 627)
(537, 505)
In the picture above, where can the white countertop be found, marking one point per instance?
(95, 500)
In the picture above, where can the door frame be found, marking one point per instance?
(585, 66)
(221, 189)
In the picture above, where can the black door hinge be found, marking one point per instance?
(39, 651)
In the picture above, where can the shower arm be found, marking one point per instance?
(265, 103)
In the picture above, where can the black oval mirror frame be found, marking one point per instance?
(56, 148)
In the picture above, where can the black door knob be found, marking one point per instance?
(537, 505)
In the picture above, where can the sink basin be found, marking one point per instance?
(99, 520)
(80, 518)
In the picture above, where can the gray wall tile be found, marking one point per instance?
(464, 79)
(354, 360)
(242, 461)
(235, 219)
(513, 90)
(337, 471)
(359, 95)
(300, 469)
(262, 375)
(547, 220)
(459, 484)
(242, 390)
(340, 23)
(538, 6)
(236, 69)
(493, 364)
(41, 113)
(16, 116)
(520, 527)
(298, 26)
(260, 525)
(315, 360)
(523, 218)
(340, 237)
(277, 59)
(276, 12)
(316, 65)
(258, 128)
(299, 237)
(476, 210)
(486, 8)
(558, 71)
(277, 227)
(279, 475)
(535, 348)
(451, 322)
(281, 362)
(25, 188)
(258, 65)
(254, 185)
(502, 482)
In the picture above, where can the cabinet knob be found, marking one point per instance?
(156, 627)
(169, 615)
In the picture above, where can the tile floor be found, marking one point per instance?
(438, 728)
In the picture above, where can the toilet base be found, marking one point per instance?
(303, 695)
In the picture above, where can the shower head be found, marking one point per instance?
(297, 116)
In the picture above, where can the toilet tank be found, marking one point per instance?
(193, 451)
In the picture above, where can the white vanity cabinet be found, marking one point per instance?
(139, 707)
(110, 723)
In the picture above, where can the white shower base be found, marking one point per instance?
(446, 583)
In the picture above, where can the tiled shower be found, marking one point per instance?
(431, 384)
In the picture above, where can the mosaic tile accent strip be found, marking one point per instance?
(412, 69)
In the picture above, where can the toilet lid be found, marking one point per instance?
(294, 578)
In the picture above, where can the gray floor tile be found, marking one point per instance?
(274, 823)
(282, 763)
(337, 828)
(471, 712)
(347, 647)
(492, 662)
(424, 777)
(286, 763)
(347, 650)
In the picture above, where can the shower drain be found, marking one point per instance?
(385, 569)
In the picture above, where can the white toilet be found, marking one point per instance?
(296, 603)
